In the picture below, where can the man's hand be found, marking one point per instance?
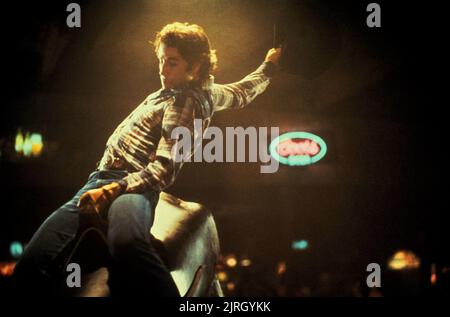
(273, 55)
(98, 199)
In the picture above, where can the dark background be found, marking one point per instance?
(372, 94)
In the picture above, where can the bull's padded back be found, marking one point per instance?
(186, 238)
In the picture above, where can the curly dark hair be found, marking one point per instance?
(192, 44)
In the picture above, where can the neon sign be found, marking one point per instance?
(298, 148)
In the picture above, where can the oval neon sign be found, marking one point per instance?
(298, 148)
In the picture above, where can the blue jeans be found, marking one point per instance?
(135, 268)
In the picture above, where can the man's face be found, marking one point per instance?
(173, 68)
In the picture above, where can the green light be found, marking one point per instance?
(36, 144)
(300, 245)
(36, 138)
(16, 249)
(298, 160)
(18, 145)
(27, 145)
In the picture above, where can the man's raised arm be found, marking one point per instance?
(239, 94)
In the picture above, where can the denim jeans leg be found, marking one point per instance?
(41, 268)
(137, 269)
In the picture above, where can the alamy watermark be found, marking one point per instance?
(213, 151)
(74, 277)
(374, 18)
(73, 20)
(374, 278)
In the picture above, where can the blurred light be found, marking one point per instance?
(16, 249)
(298, 148)
(246, 262)
(7, 268)
(36, 144)
(433, 277)
(231, 261)
(281, 269)
(300, 245)
(222, 276)
(27, 145)
(231, 286)
(404, 260)
(18, 145)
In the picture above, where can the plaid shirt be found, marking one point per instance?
(142, 143)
